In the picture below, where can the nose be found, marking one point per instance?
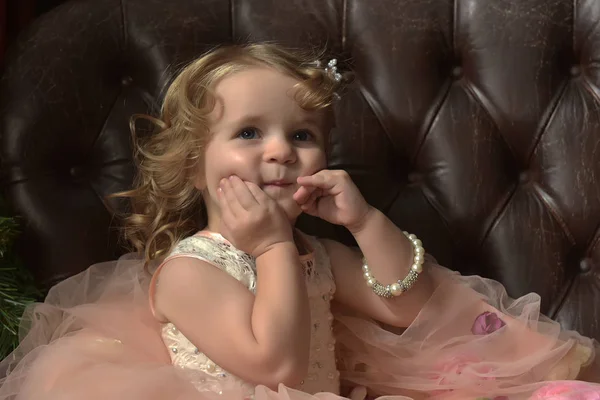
(279, 150)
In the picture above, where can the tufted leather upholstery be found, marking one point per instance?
(474, 124)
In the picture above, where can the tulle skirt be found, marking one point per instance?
(94, 337)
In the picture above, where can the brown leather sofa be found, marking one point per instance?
(473, 123)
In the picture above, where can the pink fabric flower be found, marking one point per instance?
(567, 390)
(486, 323)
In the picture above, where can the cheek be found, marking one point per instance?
(318, 161)
(225, 164)
(323, 161)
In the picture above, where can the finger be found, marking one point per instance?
(311, 202)
(324, 179)
(311, 211)
(303, 194)
(224, 205)
(257, 192)
(242, 193)
(233, 204)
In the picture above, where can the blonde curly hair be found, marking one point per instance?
(165, 204)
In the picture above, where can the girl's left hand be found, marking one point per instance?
(331, 195)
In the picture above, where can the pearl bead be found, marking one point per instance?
(210, 367)
(174, 350)
(395, 289)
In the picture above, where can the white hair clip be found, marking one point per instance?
(332, 71)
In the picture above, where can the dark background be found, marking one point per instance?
(17, 14)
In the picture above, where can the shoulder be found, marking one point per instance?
(178, 276)
(195, 267)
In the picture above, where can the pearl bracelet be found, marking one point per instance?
(401, 286)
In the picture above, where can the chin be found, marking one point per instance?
(291, 209)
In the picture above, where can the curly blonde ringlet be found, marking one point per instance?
(165, 203)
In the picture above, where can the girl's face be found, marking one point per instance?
(260, 133)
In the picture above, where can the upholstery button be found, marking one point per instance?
(77, 172)
(585, 265)
(575, 70)
(415, 177)
(126, 80)
(457, 72)
(524, 177)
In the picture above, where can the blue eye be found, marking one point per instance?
(303, 136)
(248, 133)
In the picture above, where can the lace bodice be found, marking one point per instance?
(322, 375)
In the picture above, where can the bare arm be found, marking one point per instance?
(263, 339)
(389, 255)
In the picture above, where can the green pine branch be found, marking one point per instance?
(17, 289)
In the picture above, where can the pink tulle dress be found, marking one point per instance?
(95, 337)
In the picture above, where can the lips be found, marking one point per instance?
(278, 183)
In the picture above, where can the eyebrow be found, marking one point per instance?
(310, 121)
(257, 119)
(247, 119)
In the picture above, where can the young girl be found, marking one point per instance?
(243, 307)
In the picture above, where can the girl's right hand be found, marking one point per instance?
(251, 220)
